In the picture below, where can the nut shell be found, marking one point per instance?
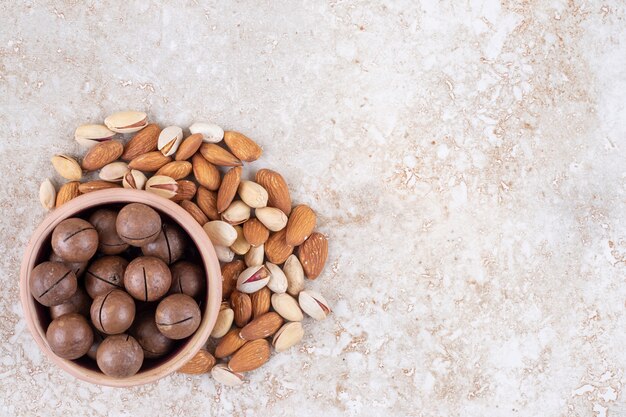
(119, 356)
(177, 316)
(52, 283)
(109, 242)
(75, 240)
(69, 336)
(113, 313)
(105, 274)
(147, 278)
(169, 246)
(138, 224)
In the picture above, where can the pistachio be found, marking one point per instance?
(287, 336)
(169, 140)
(91, 135)
(272, 218)
(238, 212)
(47, 194)
(225, 376)
(255, 256)
(67, 167)
(162, 186)
(241, 245)
(223, 253)
(114, 172)
(278, 280)
(253, 194)
(313, 304)
(287, 307)
(222, 324)
(211, 133)
(295, 275)
(126, 121)
(220, 233)
(253, 279)
(134, 179)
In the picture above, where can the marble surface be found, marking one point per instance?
(466, 160)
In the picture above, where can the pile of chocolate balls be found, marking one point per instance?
(121, 287)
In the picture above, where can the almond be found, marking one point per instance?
(228, 189)
(242, 147)
(262, 327)
(217, 155)
(205, 172)
(67, 167)
(202, 363)
(143, 142)
(300, 225)
(250, 356)
(96, 185)
(276, 248)
(207, 201)
(101, 154)
(242, 306)
(230, 273)
(189, 147)
(175, 169)
(255, 232)
(193, 209)
(186, 190)
(312, 254)
(276, 187)
(68, 191)
(261, 302)
(229, 344)
(149, 162)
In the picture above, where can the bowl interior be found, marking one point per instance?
(199, 250)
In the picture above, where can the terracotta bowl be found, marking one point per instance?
(38, 250)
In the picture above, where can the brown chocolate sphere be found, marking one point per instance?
(169, 246)
(75, 240)
(78, 267)
(52, 283)
(138, 224)
(109, 243)
(79, 303)
(105, 274)
(177, 316)
(69, 336)
(119, 356)
(113, 313)
(188, 278)
(152, 341)
(147, 278)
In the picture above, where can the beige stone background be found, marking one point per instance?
(466, 160)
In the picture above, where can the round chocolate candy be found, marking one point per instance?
(75, 240)
(177, 316)
(79, 303)
(52, 283)
(69, 336)
(169, 246)
(109, 243)
(138, 224)
(152, 341)
(188, 278)
(105, 274)
(147, 278)
(78, 267)
(113, 313)
(119, 356)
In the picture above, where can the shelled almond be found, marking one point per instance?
(267, 246)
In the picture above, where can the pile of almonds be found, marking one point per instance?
(265, 246)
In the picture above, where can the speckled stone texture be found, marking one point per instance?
(466, 160)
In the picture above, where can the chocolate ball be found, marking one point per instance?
(79, 303)
(147, 278)
(113, 313)
(177, 316)
(69, 336)
(78, 267)
(169, 245)
(152, 341)
(75, 240)
(97, 339)
(119, 356)
(105, 274)
(188, 278)
(138, 224)
(109, 243)
(52, 283)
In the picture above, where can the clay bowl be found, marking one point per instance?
(37, 316)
